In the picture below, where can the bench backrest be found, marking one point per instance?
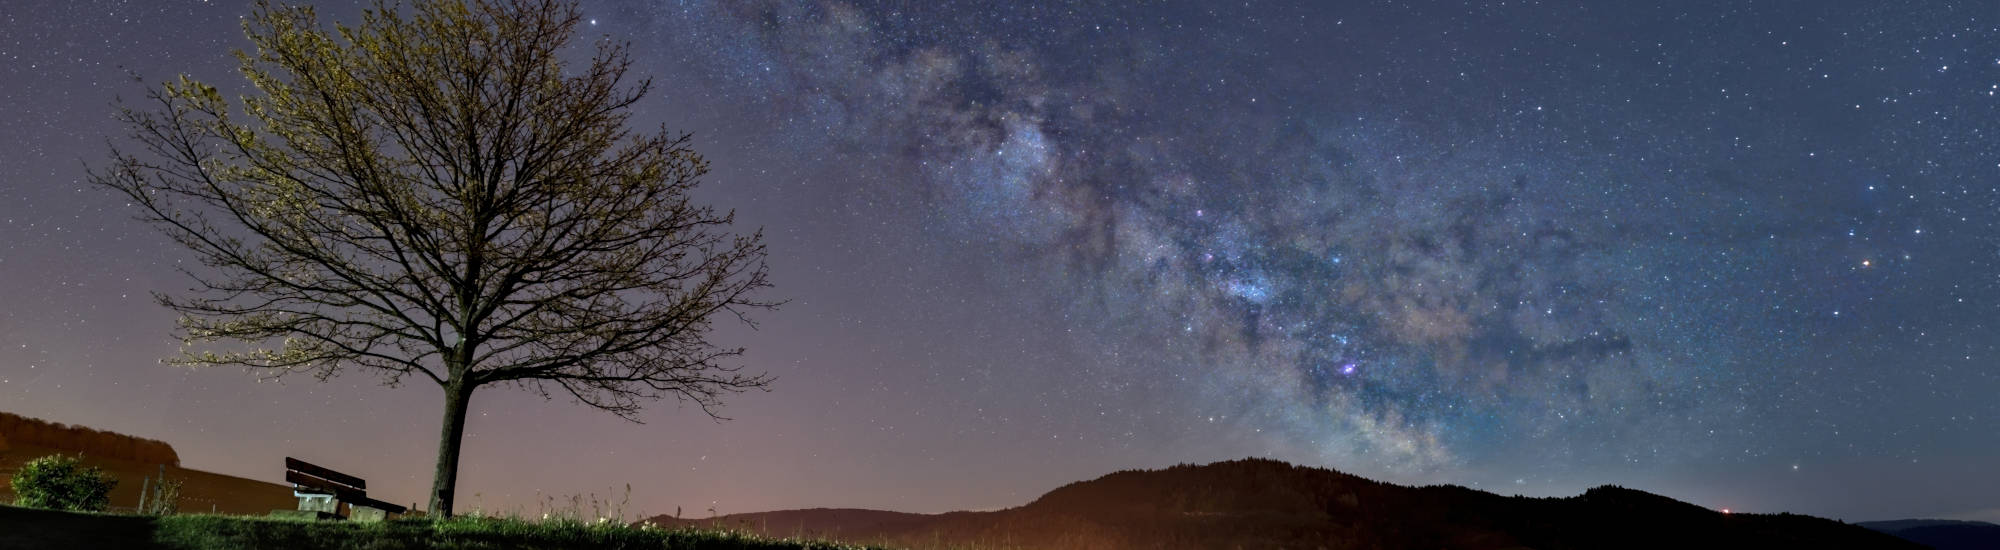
(311, 476)
(347, 488)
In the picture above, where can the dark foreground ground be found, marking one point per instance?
(34, 529)
(1942, 534)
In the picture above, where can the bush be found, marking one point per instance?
(63, 483)
(164, 500)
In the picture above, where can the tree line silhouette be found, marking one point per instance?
(17, 430)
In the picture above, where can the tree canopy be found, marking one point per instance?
(440, 193)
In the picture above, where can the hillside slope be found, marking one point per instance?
(132, 460)
(1270, 504)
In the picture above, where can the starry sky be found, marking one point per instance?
(1745, 254)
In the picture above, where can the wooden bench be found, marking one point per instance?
(322, 490)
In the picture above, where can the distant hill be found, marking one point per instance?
(132, 460)
(1942, 534)
(1268, 504)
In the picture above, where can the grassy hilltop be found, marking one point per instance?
(34, 529)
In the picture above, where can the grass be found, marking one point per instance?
(26, 528)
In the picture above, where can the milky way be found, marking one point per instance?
(1409, 238)
(1729, 251)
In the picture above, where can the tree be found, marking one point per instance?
(439, 194)
(62, 483)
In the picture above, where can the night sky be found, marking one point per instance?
(1745, 254)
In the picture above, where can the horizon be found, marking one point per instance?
(1738, 254)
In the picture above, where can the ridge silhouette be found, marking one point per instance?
(1260, 503)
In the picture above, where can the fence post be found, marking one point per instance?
(163, 484)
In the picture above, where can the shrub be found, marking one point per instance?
(63, 483)
(165, 498)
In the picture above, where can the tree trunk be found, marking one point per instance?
(457, 397)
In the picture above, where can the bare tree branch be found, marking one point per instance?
(438, 192)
